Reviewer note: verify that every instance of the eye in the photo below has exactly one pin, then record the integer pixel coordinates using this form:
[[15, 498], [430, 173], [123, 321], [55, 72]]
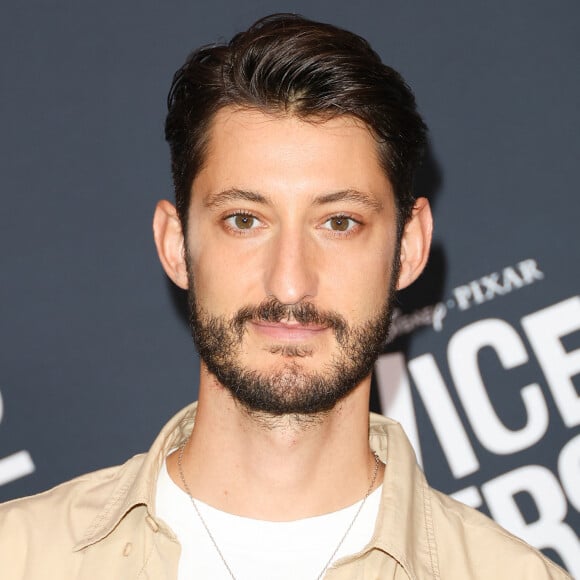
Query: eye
[[340, 223], [242, 221]]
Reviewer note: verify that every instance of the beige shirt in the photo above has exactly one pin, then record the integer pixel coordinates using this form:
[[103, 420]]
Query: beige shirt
[[103, 526]]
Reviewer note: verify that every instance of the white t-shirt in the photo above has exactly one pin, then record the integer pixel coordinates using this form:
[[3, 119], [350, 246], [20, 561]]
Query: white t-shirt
[[257, 549]]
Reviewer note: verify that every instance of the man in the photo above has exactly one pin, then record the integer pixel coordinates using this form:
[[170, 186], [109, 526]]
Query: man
[[293, 151]]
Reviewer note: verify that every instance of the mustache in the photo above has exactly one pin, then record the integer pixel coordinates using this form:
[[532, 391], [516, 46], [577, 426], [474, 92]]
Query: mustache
[[272, 310]]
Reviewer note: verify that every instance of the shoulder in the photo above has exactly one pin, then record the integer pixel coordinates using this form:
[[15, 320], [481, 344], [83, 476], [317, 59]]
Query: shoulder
[[467, 539], [62, 515], [460, 541]]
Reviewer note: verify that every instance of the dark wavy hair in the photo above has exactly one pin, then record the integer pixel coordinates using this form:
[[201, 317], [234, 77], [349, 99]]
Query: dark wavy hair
[[285, 63]]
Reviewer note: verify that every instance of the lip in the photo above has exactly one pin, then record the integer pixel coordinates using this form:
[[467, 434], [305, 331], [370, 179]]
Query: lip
[[288, 331]]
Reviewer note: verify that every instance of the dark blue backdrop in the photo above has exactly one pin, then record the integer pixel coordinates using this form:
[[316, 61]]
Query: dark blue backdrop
[[484, 370]]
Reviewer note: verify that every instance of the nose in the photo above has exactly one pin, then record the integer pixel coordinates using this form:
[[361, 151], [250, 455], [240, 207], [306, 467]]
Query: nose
[[291, 274]]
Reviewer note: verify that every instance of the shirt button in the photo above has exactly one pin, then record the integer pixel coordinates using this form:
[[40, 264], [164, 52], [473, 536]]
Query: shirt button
[[152, 523], [127, 549]]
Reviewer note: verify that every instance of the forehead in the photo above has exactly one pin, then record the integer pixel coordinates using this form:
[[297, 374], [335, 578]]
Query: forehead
[[280, 152]]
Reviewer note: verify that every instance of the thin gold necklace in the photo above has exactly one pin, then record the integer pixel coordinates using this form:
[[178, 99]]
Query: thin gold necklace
[[213, 540]]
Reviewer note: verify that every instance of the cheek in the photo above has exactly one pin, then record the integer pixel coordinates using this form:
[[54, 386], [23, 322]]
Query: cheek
[[213, 284], [224, 280], [358, 284]]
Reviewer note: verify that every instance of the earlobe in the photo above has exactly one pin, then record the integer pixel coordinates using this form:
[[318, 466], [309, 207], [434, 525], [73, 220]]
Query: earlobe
[[415, 243], [169, 241]]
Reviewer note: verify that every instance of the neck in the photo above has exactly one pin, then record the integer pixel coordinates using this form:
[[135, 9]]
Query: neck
[[277, 468]]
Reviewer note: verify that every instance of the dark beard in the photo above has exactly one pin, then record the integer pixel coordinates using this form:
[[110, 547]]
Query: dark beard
[[290, 390]]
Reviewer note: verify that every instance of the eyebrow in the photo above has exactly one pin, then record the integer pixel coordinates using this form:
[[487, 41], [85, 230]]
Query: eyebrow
[[220, 198], [352, 195]]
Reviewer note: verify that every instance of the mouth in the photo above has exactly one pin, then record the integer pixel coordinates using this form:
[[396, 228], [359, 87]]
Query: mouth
[[288, 331]]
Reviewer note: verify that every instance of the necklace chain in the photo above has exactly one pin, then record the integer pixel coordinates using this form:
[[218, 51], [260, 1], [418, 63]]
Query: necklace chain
[[213, 540]]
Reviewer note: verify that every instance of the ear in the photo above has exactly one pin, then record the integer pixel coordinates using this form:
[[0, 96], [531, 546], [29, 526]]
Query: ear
[[415, 243], [170, 242]]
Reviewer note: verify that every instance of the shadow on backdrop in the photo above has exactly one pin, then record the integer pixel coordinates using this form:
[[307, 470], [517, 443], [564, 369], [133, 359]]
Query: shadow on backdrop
[[428, 289]]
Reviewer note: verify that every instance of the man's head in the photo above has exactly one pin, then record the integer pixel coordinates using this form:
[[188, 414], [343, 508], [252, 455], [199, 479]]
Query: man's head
[[287, 64], [293, 151]]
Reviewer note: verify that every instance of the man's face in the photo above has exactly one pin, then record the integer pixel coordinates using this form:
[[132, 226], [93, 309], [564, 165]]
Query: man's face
[[291, 243]]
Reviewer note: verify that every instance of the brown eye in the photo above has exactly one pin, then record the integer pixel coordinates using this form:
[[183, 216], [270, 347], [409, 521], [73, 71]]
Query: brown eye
[[244, 222], [339, 224]]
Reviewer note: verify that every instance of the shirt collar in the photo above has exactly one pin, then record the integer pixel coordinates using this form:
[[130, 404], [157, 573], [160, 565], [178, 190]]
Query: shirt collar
[[403, 529], [137, 479]]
